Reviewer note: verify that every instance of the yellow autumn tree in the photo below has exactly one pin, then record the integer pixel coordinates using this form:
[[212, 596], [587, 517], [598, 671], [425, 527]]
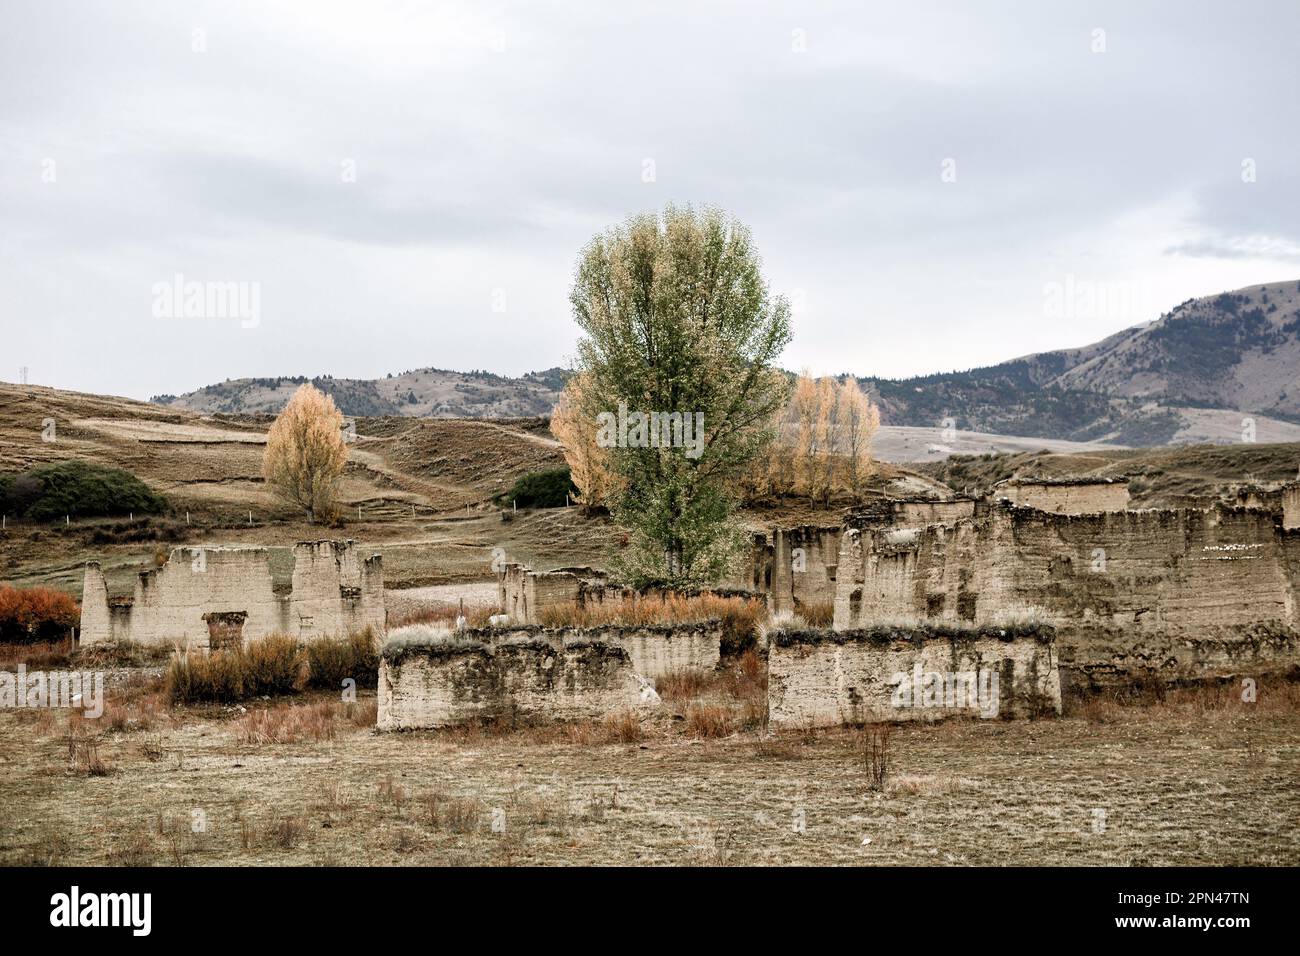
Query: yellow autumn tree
[[856, 423], [574, 425], [825, 445], [305, 453], [813, 408]]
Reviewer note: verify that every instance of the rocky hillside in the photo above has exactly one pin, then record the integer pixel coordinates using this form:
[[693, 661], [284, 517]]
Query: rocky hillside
[[1190, 375], [425, 392]]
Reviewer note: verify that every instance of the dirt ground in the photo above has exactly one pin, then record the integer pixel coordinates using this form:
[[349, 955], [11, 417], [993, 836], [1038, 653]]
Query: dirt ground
[[1198, 779]]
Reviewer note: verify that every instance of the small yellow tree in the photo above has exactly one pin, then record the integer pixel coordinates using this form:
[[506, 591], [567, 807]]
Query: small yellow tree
[[813, 409], [575, 426], [305, 452], [826, 441], [857, 421]]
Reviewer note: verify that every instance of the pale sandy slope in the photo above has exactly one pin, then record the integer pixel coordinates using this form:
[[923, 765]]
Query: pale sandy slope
[[900, 443]]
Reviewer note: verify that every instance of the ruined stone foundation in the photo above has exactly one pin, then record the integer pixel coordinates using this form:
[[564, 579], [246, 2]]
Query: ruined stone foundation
[[823, 678]]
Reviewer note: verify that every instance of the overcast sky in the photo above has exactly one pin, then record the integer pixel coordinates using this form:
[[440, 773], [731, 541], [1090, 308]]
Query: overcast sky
[[935, 186]]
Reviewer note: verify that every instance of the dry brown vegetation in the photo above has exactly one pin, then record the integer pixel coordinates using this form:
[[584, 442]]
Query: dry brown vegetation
[[740, 617], [823, 450], [819, 614], [443, 613], [270, 666], [675, 790]]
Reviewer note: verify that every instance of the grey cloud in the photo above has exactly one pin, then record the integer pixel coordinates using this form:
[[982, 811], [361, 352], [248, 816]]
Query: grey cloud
[[480, 167]]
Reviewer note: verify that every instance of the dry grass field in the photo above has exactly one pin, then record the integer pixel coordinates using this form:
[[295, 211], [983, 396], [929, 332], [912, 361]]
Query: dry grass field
[[1195, 778]]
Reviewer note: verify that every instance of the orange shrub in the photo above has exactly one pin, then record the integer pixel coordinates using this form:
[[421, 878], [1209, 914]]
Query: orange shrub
[[34, 615]]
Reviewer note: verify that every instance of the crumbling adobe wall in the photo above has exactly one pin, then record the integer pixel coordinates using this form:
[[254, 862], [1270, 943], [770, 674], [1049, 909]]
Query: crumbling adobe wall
[[96, 617], [225, 594], [794, 567], [916, 512], [450, 680], [654, 649], [334, 592], [661, 649], [1177, 593], [911, 512], [526, 594], [752, 571], [820, 678], [170, 602], [1257, 497], [804, 563], [1291, 506], [1066, 497]]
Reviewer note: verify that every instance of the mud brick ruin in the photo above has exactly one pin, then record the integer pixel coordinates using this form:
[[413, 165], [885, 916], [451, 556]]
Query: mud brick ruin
[[212, 597], [1068, 496], [1047, 581], [820, 678], [1172, 593], [429, 681], [526, 595]]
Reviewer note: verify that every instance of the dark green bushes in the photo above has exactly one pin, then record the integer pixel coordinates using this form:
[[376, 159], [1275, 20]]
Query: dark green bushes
[[541, 489], [76, 488]]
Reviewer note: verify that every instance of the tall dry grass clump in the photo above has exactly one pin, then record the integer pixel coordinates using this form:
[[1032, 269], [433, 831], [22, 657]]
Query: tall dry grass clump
[[193, 678], [623, 727], [817, 614], [708, 721], [333, 660], [41, 655], [443, 613], [273, 666], [287, 724]]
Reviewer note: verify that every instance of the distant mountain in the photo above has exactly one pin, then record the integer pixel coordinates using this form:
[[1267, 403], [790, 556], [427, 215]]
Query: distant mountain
[[426, 392], [1193, 374]]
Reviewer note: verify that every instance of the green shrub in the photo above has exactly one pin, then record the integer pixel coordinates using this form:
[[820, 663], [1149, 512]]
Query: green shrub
[[79, 489], [541, 489]]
